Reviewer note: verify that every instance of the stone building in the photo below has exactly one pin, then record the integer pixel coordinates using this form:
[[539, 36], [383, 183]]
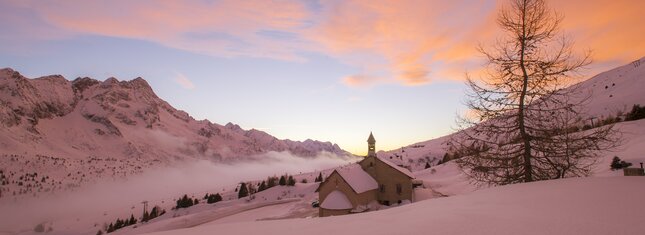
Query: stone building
[[363, 186]]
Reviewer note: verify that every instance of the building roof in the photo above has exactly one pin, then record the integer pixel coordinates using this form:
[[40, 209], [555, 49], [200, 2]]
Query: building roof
[[336, 200], [371, 138], [357, 178], [398, 168]]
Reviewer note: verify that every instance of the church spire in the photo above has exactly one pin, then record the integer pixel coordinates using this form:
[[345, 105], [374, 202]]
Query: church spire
[[371, 146]]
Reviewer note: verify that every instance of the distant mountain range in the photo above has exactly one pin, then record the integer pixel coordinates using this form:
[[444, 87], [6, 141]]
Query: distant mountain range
[[53, 116]]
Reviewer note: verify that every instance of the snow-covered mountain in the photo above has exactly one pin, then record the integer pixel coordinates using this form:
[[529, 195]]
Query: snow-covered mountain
[[66, 133], [119, 119]]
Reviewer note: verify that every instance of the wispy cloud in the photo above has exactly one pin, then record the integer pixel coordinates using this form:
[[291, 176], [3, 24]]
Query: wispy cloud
[[404, 42], [183, 81]]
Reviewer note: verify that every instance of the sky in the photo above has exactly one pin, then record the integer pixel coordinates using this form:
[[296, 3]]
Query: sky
[[324, 70]]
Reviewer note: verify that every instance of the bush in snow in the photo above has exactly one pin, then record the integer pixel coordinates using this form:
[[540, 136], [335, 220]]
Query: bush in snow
[[617, 164], [213, 198], [39, 228], [185, 202], [637, 112]]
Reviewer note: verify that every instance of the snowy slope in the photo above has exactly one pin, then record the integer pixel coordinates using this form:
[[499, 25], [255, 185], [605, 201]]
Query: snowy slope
[[571, 206], [610, 93]]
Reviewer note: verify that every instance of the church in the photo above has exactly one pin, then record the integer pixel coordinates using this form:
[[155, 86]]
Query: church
[[365, 186]]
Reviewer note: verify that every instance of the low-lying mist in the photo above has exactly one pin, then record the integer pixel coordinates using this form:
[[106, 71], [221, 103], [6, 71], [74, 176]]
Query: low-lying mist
[[117, 197]]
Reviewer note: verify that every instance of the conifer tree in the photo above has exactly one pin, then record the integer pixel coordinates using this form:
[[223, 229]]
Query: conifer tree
[[262, 186], [319, 178], [272, 181], [132, 220], [243, 192], [291, 181], [283, 181]]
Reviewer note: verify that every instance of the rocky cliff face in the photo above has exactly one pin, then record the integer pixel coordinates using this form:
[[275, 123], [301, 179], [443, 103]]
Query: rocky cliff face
[[122, 119]]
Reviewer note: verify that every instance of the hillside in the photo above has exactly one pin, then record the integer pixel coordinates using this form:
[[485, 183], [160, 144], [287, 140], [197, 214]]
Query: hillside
[[569, 206], [608, 94]]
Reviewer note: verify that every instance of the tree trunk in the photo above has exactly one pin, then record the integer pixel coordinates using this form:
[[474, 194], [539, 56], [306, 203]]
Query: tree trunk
[[528, 169]]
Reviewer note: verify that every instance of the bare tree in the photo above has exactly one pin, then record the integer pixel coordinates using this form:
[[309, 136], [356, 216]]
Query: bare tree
[[521, 127]]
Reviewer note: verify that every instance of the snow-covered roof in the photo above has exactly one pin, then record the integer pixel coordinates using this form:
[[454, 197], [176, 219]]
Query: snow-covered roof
[[401, 169], [336, 200], [357, 178]]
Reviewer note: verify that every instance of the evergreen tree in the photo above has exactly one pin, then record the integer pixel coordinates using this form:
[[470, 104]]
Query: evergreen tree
[[427, 165], [196, 201], [291, 181], [637, 112], [319, 178], [262, 186], [283, 181], [154, 213], [272, 181], [132, 220], [243, 192], [213, 198], [146, 216]]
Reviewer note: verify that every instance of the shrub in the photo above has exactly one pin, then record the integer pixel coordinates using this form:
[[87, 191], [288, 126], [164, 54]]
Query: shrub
[[291, 181], [185, 202], [637, 112], [39, 228], [617, 164], [213, 198]]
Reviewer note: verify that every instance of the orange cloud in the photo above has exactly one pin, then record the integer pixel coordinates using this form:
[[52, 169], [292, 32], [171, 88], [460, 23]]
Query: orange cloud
[[409, 42], [409, 35], [360, 80]]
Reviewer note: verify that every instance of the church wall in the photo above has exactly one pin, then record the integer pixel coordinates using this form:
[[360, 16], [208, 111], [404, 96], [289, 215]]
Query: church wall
[[326, 212], [356, 199], [389, 177]]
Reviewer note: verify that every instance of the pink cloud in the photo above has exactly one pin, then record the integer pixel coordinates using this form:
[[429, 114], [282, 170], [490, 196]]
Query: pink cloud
[[219, 28], [410, 42], [184, 82]]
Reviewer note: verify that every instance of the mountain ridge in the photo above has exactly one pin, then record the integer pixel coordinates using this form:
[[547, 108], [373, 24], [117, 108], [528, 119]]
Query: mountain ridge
[[115, 110]]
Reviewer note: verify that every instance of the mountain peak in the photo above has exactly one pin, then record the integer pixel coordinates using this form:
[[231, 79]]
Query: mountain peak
[[110, 81]]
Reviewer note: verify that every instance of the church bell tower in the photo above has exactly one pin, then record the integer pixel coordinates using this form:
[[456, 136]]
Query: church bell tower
[[371, 146]]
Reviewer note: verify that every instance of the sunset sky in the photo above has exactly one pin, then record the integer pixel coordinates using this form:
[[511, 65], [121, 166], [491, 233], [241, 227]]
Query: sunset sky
[[325, 70]]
